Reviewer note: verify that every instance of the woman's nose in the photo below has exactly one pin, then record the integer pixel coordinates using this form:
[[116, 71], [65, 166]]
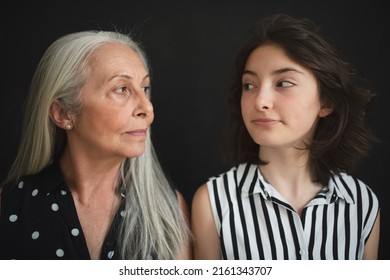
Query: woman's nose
[[145, 107]]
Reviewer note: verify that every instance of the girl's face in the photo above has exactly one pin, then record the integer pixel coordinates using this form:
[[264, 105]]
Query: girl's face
[[280, 100], [116, 111]]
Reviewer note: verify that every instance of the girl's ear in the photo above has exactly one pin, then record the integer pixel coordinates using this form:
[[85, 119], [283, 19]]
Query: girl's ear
[[325, 111], [60, 116]]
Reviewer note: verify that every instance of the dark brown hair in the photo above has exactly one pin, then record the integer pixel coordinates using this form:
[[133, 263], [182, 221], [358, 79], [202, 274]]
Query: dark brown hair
[[340, 139]]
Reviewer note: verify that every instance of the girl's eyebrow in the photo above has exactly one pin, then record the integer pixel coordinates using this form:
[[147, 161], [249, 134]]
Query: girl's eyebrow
[[276, 72], [287, 69], [249, 72]]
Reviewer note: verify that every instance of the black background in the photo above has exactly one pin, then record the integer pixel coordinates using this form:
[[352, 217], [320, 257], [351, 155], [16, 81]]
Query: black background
[[191, 46]]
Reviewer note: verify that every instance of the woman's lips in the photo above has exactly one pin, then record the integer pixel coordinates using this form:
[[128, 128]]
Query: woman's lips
[[137, 132]]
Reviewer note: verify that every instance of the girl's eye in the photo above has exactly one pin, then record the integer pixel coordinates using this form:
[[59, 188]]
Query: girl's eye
[[248, 86], [284, 84]]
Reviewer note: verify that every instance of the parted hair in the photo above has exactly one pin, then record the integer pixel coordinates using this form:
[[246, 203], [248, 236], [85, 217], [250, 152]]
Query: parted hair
[[153, 226], [342, 138]]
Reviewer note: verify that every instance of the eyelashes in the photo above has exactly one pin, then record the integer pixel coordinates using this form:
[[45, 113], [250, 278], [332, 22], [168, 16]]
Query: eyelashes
[[284, 84], [147, 90], [280, 84], [122, 90], [247, 86]]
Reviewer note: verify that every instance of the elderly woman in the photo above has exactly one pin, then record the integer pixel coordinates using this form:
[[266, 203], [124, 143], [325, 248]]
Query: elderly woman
[[86, 183]]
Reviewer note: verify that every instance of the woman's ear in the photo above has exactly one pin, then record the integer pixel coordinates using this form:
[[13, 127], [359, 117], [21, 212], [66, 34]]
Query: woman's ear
[[60, 116]]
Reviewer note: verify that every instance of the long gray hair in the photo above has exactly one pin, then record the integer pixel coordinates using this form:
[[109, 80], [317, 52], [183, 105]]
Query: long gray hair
[[153, 225]]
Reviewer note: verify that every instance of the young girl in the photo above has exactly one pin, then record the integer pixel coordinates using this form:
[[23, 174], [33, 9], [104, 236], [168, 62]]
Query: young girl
[[298, 127]]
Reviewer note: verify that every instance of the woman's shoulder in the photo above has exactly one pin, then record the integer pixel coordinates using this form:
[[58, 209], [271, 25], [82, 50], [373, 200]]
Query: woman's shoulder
[[41, 182], [11, 193], [14, 191]]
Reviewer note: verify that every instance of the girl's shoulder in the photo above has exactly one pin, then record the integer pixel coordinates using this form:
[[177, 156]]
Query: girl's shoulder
[[353, 188]]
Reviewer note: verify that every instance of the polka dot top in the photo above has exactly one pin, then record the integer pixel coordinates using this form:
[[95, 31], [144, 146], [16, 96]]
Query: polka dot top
[[38, 220]]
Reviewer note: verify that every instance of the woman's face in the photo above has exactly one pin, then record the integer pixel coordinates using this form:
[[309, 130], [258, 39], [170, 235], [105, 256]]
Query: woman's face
[[280, 100], [116, 111]]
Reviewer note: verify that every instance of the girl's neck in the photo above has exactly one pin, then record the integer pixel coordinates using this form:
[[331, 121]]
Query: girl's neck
[[288, 172]]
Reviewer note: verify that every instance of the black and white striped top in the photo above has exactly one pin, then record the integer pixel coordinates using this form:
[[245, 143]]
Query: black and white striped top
[[255, 222]]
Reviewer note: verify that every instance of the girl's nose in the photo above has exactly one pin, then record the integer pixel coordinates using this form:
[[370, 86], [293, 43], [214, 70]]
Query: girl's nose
[[264, 100]]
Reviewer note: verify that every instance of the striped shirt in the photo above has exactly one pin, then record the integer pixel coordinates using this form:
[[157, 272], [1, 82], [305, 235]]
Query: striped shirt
[[255, 222]]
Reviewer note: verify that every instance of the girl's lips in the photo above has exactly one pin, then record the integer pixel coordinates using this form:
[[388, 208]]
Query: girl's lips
[[265, 121]]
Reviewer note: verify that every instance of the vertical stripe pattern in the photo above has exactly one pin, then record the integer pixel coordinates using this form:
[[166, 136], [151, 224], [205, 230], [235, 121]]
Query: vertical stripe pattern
[[255, 221]]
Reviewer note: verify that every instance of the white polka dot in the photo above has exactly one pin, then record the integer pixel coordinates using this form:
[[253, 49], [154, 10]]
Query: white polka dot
[[35, 235], [20, 185], [55, 207], [123, 213], [60, 253], [63, 192], [75, 232], [48, 194], [13, 218], [110, 254], [35, 192]]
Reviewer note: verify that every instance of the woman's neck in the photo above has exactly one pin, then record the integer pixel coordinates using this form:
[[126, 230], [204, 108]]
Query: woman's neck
[[86, 177]]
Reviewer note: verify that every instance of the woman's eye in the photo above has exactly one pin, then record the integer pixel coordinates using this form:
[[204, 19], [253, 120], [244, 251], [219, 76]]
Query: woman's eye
[[147, 90], [248, 86], [285, 84], [121, 90]]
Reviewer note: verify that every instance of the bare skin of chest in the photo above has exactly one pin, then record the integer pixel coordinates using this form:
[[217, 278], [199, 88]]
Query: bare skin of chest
[[95, 219]]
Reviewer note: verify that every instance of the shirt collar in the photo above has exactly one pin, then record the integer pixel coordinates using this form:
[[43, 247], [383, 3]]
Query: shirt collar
[[341, 189], [250, 181], [51, 178]]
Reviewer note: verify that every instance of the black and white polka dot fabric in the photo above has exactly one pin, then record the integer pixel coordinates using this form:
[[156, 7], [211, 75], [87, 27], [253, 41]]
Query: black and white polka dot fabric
[[39, 221]]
